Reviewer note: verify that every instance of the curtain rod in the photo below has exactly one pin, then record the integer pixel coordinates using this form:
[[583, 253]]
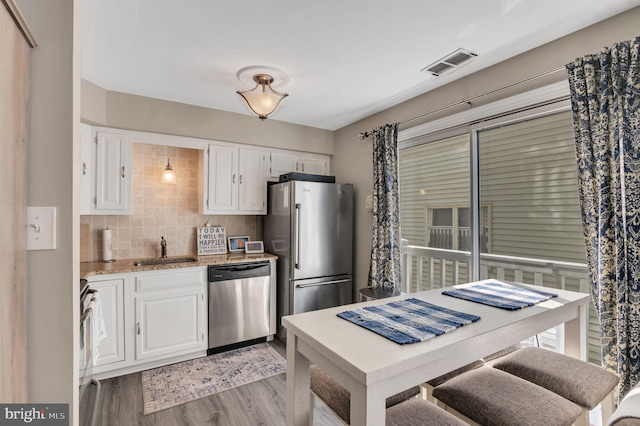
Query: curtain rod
[[362, 136]]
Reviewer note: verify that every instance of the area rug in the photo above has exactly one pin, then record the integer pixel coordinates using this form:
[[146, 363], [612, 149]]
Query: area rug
[[176, 384]]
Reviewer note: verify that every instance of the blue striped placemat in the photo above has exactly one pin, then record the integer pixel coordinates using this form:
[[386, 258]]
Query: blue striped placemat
[[500, 295], [408, 320]]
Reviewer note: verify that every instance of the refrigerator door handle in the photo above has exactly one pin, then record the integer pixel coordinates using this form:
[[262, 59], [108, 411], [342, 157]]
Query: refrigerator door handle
[[296, 239], [323, 283]]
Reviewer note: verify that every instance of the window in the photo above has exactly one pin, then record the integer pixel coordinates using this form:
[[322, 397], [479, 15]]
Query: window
[[519, 172], [450, 228]]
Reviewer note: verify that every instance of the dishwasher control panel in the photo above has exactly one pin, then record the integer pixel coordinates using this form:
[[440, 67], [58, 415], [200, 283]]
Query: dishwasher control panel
[[238, 271]]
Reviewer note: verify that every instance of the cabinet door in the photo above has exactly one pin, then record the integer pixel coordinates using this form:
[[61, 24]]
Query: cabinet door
[[86, 169], [283, 162], [111, 292], [113, 174], [316, 164], [222, 194], [252, 181], [169, 322]]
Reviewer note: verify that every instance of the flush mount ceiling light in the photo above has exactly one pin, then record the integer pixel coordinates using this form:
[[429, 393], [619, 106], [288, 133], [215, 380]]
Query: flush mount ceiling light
[[168, 175], [449, 62], [263, 100]]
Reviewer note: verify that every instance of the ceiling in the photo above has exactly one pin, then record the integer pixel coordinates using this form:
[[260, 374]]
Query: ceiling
[[345, 59]]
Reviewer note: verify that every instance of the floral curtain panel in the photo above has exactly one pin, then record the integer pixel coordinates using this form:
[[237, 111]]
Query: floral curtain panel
[[605, 98], [385, 250]]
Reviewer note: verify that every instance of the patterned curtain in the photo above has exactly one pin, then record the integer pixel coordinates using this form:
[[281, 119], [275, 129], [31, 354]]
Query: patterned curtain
[[605, 98], [386, 244]]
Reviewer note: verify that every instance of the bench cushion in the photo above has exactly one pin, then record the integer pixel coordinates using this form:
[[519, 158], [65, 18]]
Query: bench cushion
[[417, 411], [448, 376], [578, 381], [493, 397]]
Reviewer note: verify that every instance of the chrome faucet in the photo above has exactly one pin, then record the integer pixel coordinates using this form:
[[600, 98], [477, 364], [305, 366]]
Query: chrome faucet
[[163, 247]]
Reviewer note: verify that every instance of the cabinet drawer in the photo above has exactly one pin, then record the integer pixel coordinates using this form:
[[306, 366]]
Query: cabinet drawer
[[169, 280]]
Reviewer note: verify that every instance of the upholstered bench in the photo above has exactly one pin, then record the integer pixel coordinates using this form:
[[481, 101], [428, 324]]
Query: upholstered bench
[[418, 412], [628, 411], [402, 409], [495, 357], [431, 384], [488, 396], [578, 381]]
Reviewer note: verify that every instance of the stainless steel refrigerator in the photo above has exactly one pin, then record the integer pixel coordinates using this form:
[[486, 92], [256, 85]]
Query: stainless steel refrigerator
[[309, 226]]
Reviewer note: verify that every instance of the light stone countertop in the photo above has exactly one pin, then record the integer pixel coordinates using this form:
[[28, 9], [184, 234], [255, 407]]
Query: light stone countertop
[[88, 269]]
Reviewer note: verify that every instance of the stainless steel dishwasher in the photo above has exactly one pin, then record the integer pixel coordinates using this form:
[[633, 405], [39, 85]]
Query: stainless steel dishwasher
[[239, 303]]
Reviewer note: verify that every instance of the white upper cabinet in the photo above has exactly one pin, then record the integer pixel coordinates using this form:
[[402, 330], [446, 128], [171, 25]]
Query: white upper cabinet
[[112, 174], [234, 180], [252, 182], [292, 161], [86, 170], [317, 164], [223, 177]]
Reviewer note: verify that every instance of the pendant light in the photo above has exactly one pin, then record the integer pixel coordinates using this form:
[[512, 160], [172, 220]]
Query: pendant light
[[262, 99], [168, 175]]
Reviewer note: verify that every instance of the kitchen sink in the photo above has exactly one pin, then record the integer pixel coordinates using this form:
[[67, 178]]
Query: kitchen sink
[[164, 261]]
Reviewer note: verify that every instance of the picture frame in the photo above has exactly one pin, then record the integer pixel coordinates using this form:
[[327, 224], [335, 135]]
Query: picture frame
[[253, 247], [237, 244], [212, 240]]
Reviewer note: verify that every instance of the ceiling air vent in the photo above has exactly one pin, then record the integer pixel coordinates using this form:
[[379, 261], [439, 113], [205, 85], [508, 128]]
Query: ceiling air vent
[[449, 62]]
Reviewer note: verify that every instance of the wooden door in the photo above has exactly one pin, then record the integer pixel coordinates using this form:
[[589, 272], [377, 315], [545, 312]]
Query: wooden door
[[15, 44]]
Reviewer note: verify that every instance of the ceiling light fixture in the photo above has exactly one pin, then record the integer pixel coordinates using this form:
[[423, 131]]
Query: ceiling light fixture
[[168, 175], [263, 100]]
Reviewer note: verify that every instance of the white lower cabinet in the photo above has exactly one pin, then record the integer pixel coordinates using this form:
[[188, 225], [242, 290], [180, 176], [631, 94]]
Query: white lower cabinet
[[170, 313], [152, 318], [111, 291]]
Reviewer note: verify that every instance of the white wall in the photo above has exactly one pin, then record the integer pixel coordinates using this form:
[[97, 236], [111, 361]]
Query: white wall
[[53, 274], [352, 158]]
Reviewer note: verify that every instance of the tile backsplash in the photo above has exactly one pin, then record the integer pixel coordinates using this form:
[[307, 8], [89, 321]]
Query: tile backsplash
[[164, 210]]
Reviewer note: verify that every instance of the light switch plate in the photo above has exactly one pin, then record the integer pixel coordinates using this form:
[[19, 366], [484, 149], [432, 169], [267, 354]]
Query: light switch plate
[[41, 228]]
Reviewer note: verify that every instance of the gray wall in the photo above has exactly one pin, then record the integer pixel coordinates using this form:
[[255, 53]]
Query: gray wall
[[53, 274], [352, 157], [132, 112]]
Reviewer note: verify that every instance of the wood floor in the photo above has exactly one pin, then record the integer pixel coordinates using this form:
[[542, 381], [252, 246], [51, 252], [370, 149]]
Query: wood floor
[[259, 403]]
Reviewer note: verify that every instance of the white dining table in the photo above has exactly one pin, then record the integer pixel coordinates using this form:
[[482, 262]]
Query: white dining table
[[373, 368]]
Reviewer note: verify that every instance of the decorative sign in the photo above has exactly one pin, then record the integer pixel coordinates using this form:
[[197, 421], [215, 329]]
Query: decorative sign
[[212, 240]]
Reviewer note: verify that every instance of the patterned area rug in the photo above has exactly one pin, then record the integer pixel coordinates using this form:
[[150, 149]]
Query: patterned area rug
[[176, 384]]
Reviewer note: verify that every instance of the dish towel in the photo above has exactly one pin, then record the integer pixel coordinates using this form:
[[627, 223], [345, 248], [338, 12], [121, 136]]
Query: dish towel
[[98, 328], [408, 321], [500, 295]]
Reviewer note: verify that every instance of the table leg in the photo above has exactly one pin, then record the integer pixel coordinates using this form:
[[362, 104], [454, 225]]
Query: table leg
[[368, 407], [575, 334], [298, 390]]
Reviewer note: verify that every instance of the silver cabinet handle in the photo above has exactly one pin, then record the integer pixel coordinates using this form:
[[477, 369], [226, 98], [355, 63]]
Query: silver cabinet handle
[[138, 327], [122, 171], [234, 178], [303, 167], [84, 169], [240, 179], [296, 166]]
